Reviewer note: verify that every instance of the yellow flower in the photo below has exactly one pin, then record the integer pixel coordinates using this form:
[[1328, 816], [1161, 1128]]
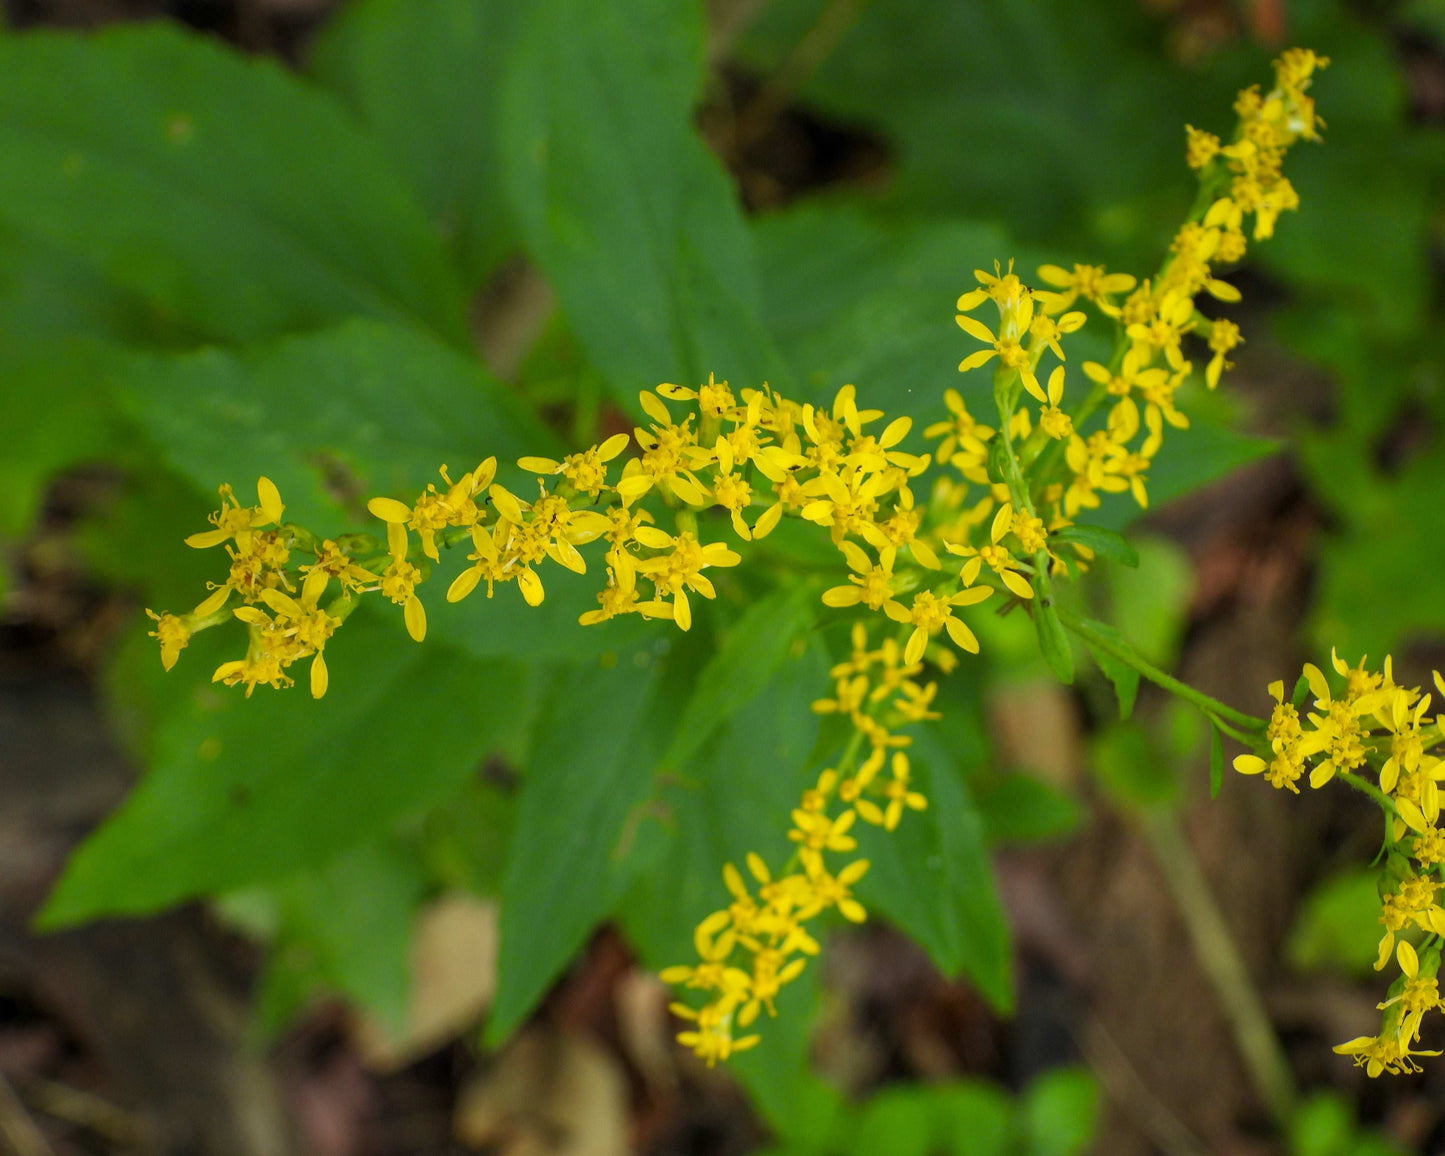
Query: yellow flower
[[1202, 147], [998, 557], [870, 584], [1090, 282], [712, 1039], [1387, 1053], [714, 940], [680, 569], [398, 582], [233, 520], [587, 471], [173, 635], [669, 454], [930, 613]]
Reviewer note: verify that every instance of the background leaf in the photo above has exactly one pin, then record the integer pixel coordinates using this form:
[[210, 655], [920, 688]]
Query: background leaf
[[424, 76], [244, 791], [632, 220], [225, 193], [592, 767]]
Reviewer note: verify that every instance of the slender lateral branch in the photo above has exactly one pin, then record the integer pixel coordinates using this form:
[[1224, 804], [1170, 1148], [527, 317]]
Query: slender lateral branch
[[1219, 712]]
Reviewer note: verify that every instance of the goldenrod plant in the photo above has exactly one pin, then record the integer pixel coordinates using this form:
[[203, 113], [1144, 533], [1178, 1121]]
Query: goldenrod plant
[[992, 513]]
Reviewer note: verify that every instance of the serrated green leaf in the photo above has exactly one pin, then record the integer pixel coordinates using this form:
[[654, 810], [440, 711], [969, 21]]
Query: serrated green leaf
[[424, 76], [225, 193], [592, 766], [1109, 543], [1124, 677], [632, 220], [1216, 762], [250, 790], [749, 653]]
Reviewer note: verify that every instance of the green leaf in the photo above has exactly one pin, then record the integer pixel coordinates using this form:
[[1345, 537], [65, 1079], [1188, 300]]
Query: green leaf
[[380, 405], [896, 1121], [1109, 543], [932, 879], [1372, 596], [632, 220], [592, 767], [54, 415], [345, 927], [732, 796], [853, 297], [245, 791], [1151, 602], [424, 76], [800, 1108], [1075, 108], [218, 188], [1060, 1113], [1216, 762], [974, 1117], [1124, 677], [751, 650], [1130, 769], [1019, 808], [1338, 925], [1053, 640]]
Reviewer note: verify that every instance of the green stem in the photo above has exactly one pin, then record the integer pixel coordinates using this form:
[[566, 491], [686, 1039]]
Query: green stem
[[1367, 788], [1219, 956], [1216, 710]]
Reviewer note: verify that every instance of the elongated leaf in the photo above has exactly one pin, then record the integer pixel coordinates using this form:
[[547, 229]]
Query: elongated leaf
[[634, 223], [732, 796], [385, 405], [221, 190], [244, 791], [751, 651], [424, 76], [592, 767], [1053, 641], [932, 879], [852, 297], [345, 927], [1124, 677], [1109, 543]]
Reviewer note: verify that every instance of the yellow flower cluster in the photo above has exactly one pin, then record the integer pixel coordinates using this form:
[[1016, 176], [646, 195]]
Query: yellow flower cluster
[[260, 575], [764, 925], [1373, 724], [743, 461], [1152, 318], [757, 459]]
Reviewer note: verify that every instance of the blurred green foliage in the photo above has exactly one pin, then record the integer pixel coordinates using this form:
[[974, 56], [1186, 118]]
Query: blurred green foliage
[[211, 268]]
